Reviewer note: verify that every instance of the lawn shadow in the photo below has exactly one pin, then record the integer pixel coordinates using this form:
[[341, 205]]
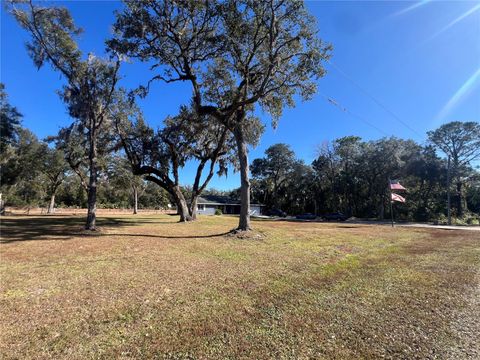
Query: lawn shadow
[[41, 228], [339, 226], [34, 228], [171, 236]]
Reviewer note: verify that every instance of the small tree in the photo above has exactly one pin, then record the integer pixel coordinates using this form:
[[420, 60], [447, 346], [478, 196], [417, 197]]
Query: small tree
[[460, 141], [120, 175], [235, 55], [54, 171], [90, 83]]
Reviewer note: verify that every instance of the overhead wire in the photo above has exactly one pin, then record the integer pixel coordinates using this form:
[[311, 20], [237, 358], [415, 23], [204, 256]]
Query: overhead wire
[[373, 98], [348, 112], [335, 103]]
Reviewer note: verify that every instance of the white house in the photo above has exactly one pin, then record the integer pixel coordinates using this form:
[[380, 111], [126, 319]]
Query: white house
[[207, 205]]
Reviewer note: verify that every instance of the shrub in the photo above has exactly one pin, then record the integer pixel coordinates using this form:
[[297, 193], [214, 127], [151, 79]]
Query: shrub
[[472, 221], [441, 220], [218, 212], [467, 219]]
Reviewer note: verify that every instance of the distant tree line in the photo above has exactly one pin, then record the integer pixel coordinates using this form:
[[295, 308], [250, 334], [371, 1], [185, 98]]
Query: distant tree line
[[237, 56], [347, 175], [351, 176], [34, 174]]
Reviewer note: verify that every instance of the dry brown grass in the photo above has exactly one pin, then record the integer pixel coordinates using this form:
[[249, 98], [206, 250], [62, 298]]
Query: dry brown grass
[[148, 287]]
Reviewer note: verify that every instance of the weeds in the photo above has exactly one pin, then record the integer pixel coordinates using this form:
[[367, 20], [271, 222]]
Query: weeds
[[148, 287]]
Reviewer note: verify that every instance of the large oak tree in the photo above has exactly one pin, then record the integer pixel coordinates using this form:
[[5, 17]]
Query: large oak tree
[[236, 54]]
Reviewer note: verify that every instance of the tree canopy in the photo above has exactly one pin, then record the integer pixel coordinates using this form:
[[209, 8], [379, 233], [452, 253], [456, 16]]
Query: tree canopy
[[235, 55], [239, 57], [90, 82], [10, 120], [460, 141]]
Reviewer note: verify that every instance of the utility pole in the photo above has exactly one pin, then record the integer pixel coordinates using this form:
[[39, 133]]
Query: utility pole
[[449, 215]]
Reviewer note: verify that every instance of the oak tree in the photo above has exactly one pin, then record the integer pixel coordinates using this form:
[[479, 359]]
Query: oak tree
[[236, 54], [159, 155]]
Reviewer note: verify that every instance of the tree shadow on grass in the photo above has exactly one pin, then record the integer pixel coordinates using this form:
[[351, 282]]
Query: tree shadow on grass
[[171, 236], [38, 228], [47, 228]]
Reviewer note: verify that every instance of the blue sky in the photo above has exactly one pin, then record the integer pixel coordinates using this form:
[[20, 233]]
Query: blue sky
[[401, 67]]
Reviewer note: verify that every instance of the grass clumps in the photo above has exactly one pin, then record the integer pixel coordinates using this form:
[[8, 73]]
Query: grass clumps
[[149, 287]]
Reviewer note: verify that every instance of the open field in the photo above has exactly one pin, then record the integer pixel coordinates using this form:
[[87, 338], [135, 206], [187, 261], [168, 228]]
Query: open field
[[82, 211], [148, 287]]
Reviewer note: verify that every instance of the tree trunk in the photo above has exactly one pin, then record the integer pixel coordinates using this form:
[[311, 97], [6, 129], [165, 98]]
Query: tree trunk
[[193, 207], [244, 222], [459, 199], [182, 207], [135, 200], [51, 206], [275, 195], [382, 209], [92, 186]]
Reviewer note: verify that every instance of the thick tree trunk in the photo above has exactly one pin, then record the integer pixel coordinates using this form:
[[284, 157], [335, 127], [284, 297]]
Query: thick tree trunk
[[176, 192], [193, 207], [92, 186], [244, 222], [91, 206], [182, 207], [51, 206], [135, 200]]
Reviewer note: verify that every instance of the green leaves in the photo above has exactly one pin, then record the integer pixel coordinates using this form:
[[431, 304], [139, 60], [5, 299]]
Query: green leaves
[[459, 140], [53, 36], [10, 119], [235, 53]]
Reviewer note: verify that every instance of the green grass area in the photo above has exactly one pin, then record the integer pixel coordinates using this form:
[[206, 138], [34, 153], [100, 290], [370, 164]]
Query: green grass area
[[148, 287]]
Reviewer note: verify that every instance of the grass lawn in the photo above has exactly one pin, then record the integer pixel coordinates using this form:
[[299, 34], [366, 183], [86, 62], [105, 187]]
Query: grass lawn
[[148, 287]]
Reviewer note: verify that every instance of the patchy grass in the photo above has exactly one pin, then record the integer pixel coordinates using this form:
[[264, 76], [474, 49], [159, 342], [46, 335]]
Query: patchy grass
[[148, 287]]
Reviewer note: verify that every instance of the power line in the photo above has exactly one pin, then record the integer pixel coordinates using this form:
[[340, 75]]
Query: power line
[[335, 103], [373, 98], [345, 110]]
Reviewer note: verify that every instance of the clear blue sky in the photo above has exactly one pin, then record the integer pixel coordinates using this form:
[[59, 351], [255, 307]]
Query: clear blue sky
[[420, 60]]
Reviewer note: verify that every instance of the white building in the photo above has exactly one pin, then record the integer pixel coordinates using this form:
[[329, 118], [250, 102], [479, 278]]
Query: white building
[[207, 205]]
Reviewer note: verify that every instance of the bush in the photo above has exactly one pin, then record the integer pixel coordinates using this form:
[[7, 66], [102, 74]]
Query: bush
[[218, 212], [441, 220], [473, 221], [468, 219]]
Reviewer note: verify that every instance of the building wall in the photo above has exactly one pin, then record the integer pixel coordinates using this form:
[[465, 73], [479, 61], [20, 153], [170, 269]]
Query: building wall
[[205, 209], [255, 210]]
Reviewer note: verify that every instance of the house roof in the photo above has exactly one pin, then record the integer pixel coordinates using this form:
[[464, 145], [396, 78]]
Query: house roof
[[219, 200]]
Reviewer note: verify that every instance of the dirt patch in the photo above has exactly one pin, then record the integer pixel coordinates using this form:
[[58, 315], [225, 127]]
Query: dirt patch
[[246, 235]]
